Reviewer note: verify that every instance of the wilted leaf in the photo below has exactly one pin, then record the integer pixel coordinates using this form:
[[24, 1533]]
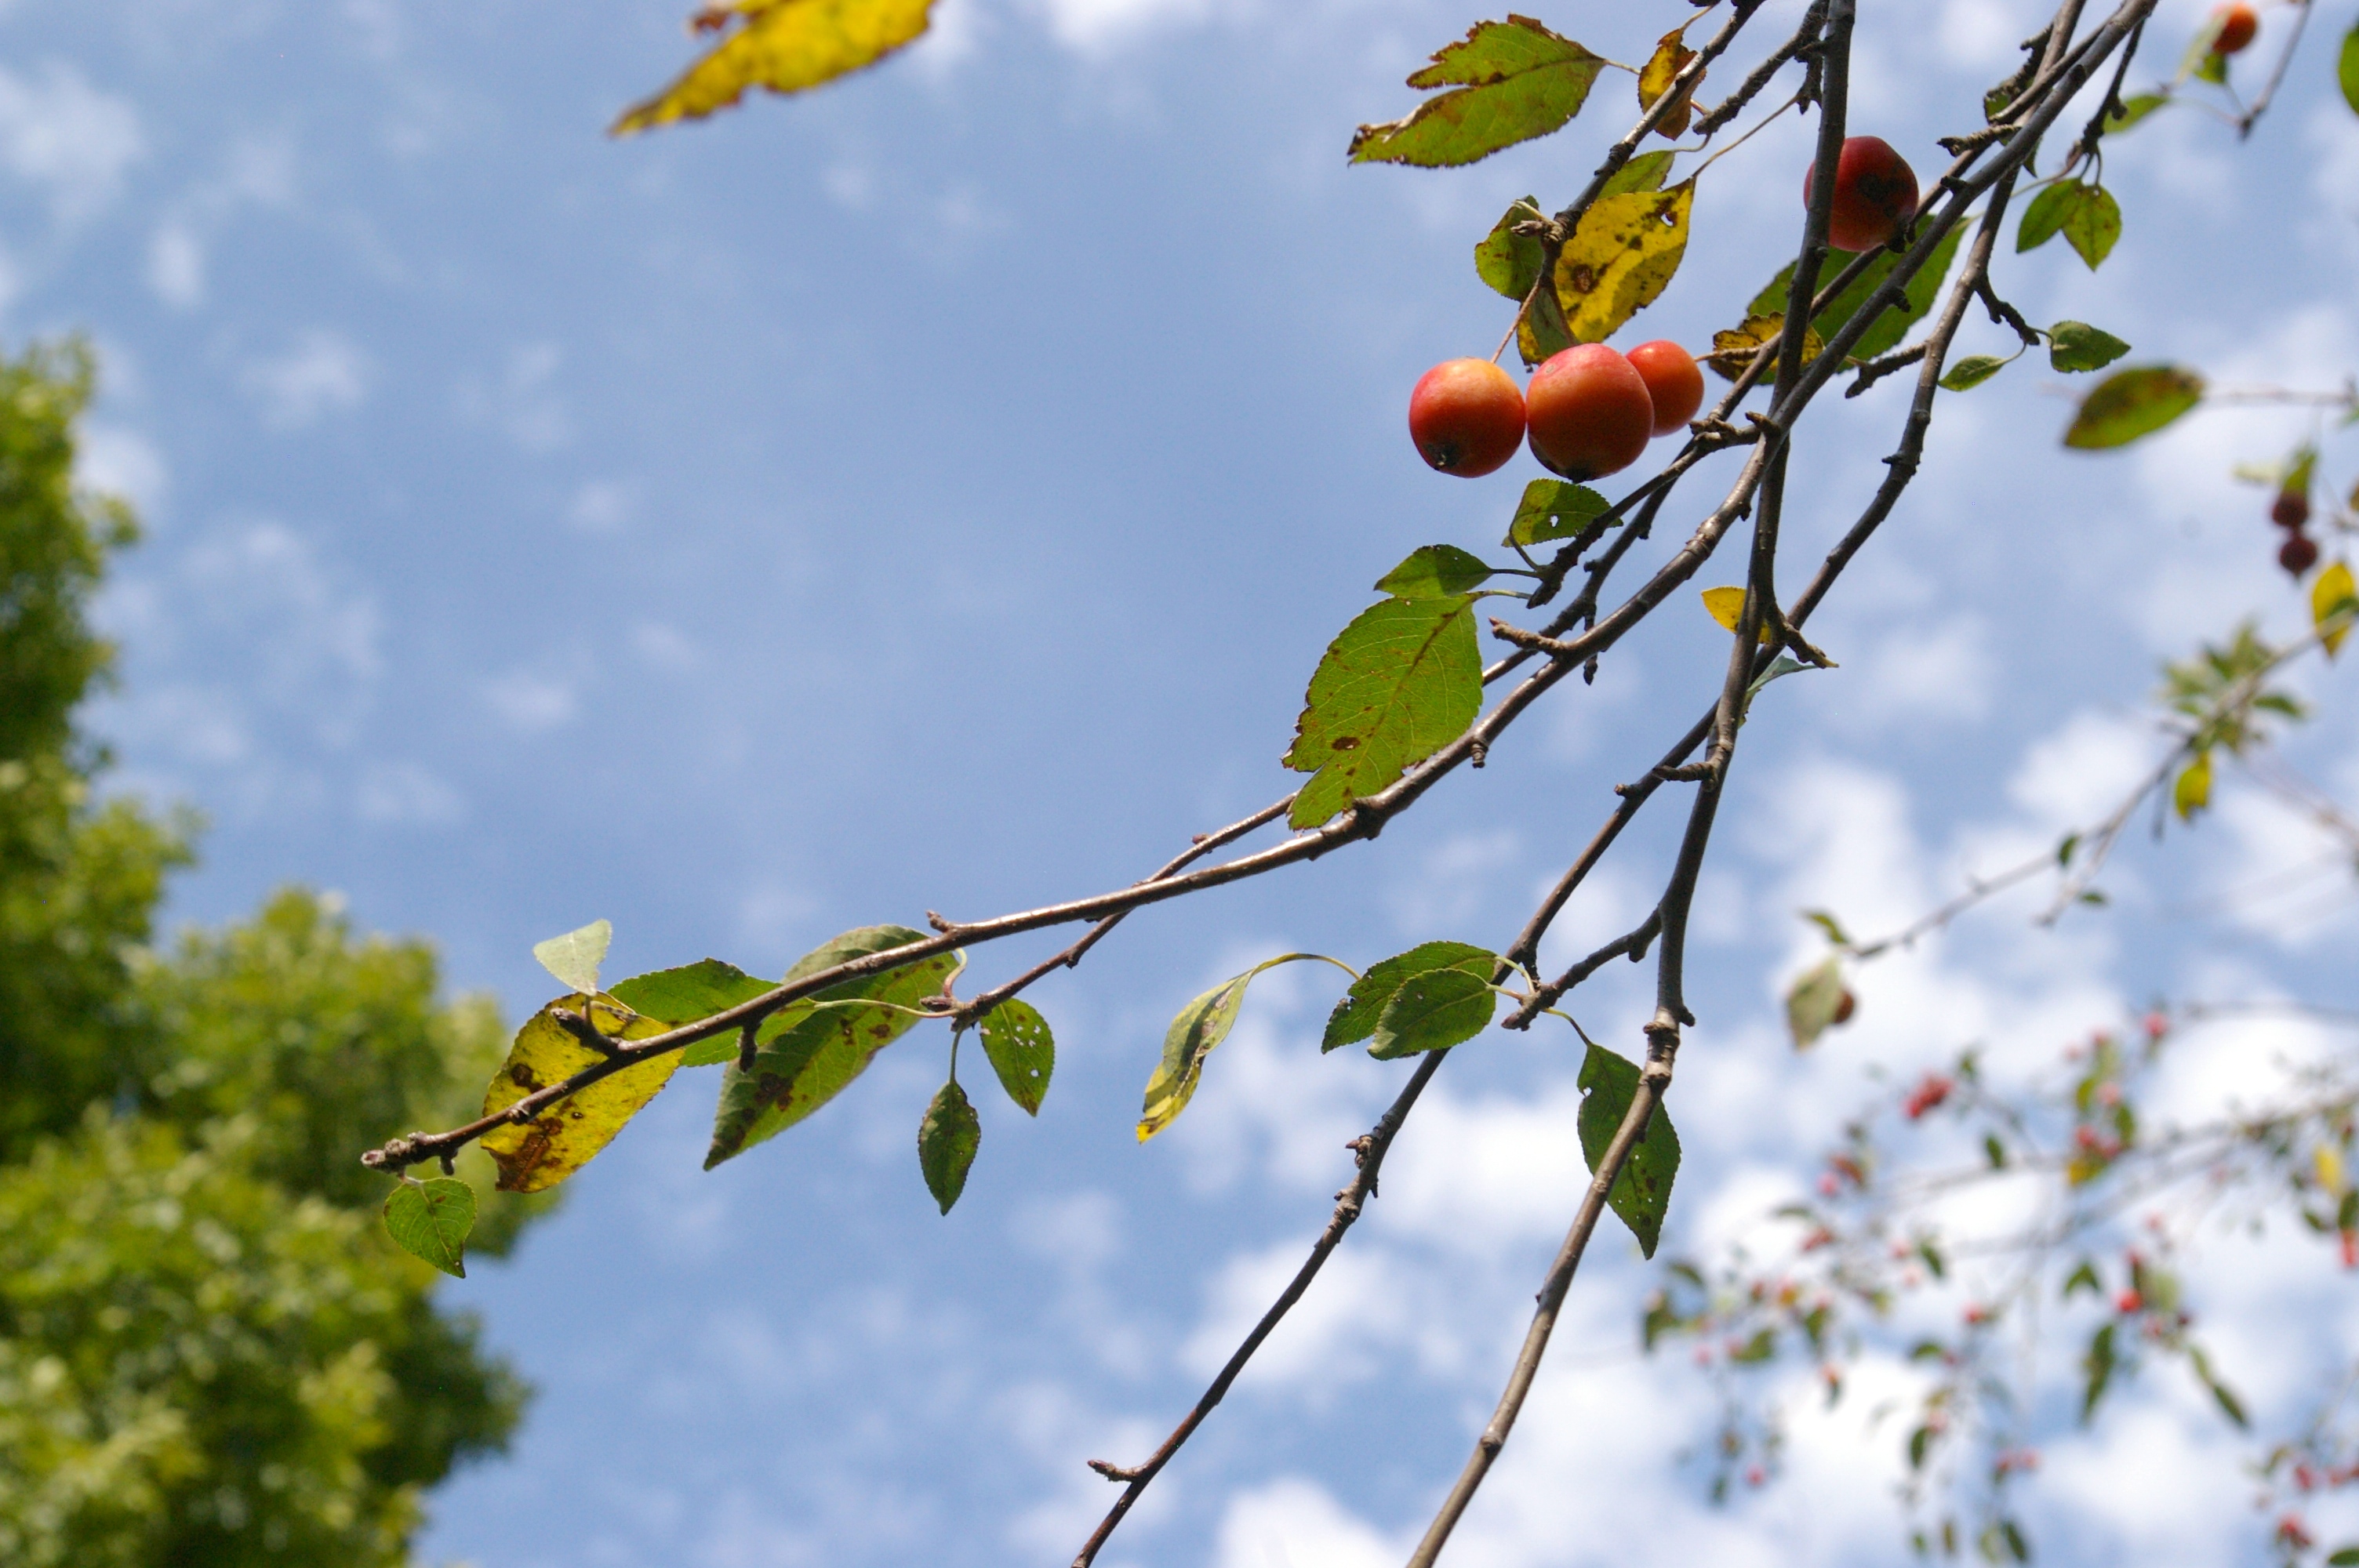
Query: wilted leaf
[[1355, 1017], [809, 1049], [2077, 346], [565, 1136], [675, 997], [1510, 263], [1967, 373], [2133, 403], [1670, 58], [1511, 81], [1646, 171], [1641, 1195], [1403, 680], [1200, 1026], [1733, 351], [1811, 1005], [948, 1137], [574, 958], [1022, 1051], [430, 1220], [1433, 1011], [2132, 111], [1726, 606], [1553, 509], [1621, 258], [2192, 793], [2333, 601], [1434, 571], [1894, 324], [785, 46]]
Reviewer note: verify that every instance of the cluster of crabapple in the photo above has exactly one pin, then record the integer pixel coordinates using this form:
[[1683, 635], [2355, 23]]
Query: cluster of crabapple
[[2290, 512], [1591, 410]]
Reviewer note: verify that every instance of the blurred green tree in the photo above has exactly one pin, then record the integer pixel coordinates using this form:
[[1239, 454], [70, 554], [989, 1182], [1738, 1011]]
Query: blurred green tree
[[211, 1356]]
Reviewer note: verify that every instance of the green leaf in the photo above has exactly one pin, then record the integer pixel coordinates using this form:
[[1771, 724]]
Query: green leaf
[[1967, 373], [1433, 1011], [574, 958], [2083, 1278], [2345, 1557], [431, 1219], [948, 1137], [1511, 81], [1641, 1193], [1355, 1017], [1811, 1005], [568, 1134], [2098, 1366], [1894, 324], [1645, 172], [2346, 72], [1541, 332], [2086, 216], [1553, 509], [2133, 403], [1920, 1441], [2333, 598], [810, 1049], [1434, 571], [695, 990], [2077, 346], [1022, 1051], [784, 44], [1201, 1025], [1510, 263], [1621, 258], [2222, 1395], [1827, 923], [1402, 681], [2132, 111], [1757, 1349]]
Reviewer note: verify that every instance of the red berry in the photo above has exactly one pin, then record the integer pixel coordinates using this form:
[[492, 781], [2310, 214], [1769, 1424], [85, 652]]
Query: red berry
[[1673, 380], [2129, 1302], [2290, 510], [1845, 1005], [1875, 194], [2237, 25], [1466, 416], [2298, 557], [1590, 412]]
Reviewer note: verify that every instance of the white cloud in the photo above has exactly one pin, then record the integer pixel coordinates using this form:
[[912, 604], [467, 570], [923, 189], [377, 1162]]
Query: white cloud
[[59, 132], [175, 266], [408, 793], [1294, 1523], [114, 460], [532, 700], [1098, 25], [523, 403], [322, 374]]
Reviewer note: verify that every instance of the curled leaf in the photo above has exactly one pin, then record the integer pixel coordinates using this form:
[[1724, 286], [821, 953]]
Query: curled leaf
[[574, 958], [1201, 1025], [1671, 57], [1726, 605]]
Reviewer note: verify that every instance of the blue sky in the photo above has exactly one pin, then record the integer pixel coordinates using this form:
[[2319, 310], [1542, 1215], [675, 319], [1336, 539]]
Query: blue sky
[[933, 494]]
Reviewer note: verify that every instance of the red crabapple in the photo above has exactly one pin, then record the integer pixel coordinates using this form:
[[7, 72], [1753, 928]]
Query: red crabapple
[[1673, 380], [1589, 411], [1875, 194], [1466, 416], [2237, 26]]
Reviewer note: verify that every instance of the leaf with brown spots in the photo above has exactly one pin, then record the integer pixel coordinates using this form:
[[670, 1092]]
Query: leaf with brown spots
[[785, 46], [566, 1136], [1621, 258], [810, 1049], [1671, 57]]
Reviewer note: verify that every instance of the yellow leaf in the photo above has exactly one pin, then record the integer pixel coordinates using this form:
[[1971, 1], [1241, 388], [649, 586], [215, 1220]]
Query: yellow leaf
[[2193, 791], [565, 1136], [1732, 350], [1727, 604], [2333, 601], [1671, 57], [1621, 257], [2328, 1161], [783, 45]]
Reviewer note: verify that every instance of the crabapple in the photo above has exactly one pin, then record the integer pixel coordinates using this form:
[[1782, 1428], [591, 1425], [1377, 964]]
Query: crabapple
[[2297, 555], [1875, 194], [1466, 416], [2237, 26], [1673, 380], [2290, 510], [1589, 411]]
